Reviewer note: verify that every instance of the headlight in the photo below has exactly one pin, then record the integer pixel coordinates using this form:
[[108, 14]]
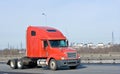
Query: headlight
[[62, 58]]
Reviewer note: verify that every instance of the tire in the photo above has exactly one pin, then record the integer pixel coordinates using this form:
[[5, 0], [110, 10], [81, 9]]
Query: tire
[[13, 64], [53, 64], [20, 64], [72, 67]]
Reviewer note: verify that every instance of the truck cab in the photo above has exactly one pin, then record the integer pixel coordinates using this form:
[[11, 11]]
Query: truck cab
[[47, 46]]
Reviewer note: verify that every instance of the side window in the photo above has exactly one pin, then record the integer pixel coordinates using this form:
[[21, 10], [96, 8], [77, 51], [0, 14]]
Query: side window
[[33, 33], [45, 44]]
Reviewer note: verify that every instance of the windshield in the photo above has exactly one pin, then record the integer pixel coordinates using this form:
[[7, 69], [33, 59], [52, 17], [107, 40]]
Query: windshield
[[58, 43]]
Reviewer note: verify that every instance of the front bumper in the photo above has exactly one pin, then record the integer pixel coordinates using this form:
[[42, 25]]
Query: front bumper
[[70, 62]]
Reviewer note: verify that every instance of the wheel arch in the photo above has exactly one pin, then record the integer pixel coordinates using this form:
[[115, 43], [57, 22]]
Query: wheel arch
[[8, 62], [48, 60], [55, 56]]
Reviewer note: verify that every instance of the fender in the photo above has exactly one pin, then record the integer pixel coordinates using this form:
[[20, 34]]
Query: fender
[[55, 56]]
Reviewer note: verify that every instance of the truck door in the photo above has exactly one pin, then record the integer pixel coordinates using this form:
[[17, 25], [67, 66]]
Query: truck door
[[45, 48]]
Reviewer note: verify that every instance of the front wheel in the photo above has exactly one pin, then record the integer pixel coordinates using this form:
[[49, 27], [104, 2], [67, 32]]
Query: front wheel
[[53, 64]]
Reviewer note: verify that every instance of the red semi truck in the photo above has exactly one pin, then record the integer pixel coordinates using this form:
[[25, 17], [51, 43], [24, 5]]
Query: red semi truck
[[46, 46]]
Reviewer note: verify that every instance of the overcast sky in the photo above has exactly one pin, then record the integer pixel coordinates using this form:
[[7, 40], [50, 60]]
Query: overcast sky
[[81, 21]]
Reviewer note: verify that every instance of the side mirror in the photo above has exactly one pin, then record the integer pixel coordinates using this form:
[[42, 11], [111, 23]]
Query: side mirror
[[67, 42]]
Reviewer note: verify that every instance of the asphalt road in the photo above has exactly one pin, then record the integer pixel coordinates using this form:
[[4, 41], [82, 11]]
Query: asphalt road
[[82, 69]]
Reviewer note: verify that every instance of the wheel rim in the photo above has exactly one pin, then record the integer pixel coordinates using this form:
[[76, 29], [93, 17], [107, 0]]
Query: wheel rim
[[11, 64], [19, 64], [52, 65]]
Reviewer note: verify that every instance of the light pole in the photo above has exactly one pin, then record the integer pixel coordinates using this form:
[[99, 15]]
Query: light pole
[[112, 38], [21, 46], [45, 18]]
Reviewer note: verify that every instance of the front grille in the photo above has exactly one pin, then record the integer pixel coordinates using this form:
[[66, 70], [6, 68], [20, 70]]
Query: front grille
[[71, 55]]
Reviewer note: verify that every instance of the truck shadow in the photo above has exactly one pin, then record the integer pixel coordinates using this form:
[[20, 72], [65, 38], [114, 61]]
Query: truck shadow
[[2, 72], [82, 66], [67, 68]]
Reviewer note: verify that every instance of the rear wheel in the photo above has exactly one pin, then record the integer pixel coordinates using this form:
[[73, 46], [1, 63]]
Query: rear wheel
[[20, 64], [13, 64], [53, 64]]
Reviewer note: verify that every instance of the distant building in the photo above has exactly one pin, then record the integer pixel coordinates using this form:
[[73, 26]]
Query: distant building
[[90, 45], [80, 44], [100, 45], [77, 45], [109, 45], [22, 51]]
